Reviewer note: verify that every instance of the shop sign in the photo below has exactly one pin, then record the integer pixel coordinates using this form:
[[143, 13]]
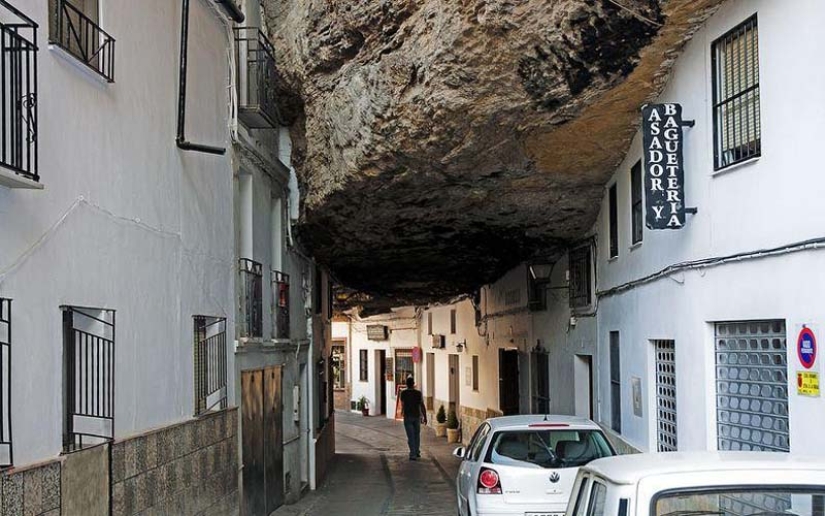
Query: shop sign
[[377, 332], [664, 186]]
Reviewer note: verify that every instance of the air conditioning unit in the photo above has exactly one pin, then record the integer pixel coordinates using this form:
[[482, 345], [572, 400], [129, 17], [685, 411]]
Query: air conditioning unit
[[439, 341]]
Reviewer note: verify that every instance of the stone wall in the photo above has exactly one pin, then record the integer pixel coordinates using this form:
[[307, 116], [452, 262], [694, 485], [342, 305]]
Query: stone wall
[[31, 491], [189, 468]]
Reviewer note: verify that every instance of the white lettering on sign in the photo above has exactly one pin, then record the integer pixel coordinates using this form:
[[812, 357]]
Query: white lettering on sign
[[664, 175]]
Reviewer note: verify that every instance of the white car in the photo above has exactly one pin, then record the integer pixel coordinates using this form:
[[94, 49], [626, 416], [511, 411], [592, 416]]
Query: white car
[[701, 484], [525, 465]]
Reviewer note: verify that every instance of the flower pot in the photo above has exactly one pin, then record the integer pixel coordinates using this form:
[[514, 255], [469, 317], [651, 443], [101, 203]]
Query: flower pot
[[365, 411], [453, 435], [440, 429]]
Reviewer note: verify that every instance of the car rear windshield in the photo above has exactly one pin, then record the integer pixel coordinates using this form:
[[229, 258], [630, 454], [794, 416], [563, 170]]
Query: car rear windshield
[[547, 448], [762, 501]]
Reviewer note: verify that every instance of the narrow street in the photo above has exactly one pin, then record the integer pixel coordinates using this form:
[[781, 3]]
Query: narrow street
[[373, 476]]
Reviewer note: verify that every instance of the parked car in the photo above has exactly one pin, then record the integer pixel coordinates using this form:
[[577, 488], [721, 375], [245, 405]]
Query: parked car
[[699, 484], [525, 465]]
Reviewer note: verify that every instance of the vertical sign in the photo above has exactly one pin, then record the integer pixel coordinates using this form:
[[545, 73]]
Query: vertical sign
[[664, 166]]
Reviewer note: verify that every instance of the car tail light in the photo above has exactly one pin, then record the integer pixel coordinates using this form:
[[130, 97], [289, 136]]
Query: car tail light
[[548, 425], [488, 482]]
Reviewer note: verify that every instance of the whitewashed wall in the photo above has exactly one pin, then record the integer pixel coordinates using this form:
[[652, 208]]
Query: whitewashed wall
[[771, 201], [126, 220]]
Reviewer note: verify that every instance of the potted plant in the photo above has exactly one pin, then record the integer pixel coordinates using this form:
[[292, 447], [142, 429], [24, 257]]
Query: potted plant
[[363, 405], [440, 425], [452, 428]]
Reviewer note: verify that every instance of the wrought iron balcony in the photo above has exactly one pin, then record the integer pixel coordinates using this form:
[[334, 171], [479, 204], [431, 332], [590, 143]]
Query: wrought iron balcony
[[251, 299], [257, 79], [18, 98], [280, 305], [76, 33]]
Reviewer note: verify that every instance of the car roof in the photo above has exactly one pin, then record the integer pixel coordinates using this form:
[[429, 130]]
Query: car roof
[[524, 421], [629, 469]]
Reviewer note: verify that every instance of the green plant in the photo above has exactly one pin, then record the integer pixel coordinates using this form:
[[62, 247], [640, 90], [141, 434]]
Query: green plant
[[363, 402], [452, 421], [441, 416]]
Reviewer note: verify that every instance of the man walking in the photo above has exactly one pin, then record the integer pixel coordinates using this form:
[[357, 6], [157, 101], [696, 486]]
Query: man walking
[[415, 413]]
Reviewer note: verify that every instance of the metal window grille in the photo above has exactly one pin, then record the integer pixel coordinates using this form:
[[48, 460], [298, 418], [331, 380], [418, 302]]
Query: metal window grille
[[615, 383], [581, 280], [637, 213], [666, 395], [752, 386], [6, 454], [257, 79], [210, 363], [736, 121], [280, 305], [251, 298], [613, 214], [77, 33], [363, 372], [18, 93], [89, 373]]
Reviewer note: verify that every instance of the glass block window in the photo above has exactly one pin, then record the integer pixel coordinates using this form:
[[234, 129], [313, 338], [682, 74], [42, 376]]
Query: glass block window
[[736, 126], [752, 386], [666, 395]]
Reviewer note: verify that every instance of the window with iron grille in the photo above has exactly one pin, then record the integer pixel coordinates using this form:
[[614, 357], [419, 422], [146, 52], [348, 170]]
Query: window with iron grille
[[210, 363], [73, 26], [475, 373], [251, 299], [280, 305], [581, 277], [89, 376], [666, 395], [257, 79], [737, 130], [752, 386], [453, 321], [613, 222], [429, 323], [636, 209], [18, 96], [363, 372], [615, 383], [6, 455]]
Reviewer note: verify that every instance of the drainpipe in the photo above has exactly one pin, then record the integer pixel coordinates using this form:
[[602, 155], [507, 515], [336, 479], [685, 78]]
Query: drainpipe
[[232, 10]]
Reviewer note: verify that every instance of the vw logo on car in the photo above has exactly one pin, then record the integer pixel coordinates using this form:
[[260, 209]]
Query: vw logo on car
[[554, 477]]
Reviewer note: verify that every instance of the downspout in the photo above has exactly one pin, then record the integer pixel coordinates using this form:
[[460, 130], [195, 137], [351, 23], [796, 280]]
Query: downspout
[[232, 10]]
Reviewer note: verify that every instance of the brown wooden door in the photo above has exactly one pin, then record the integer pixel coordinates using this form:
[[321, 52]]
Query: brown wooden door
[[252, 405], [273, 443]]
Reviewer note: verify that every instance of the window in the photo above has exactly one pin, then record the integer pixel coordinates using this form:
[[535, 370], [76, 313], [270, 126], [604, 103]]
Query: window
[[6, 457], [581, 280], [280, 305], [429, 323], [752, 385], [403, 365], [578, 508], [363, 372], [18, 98], [475, 373], [737, 131], [666, 394], [613, 228], [339, 367], [757, 499], [636, 208], [210, 363], [89, 376], [73, 26], [545, 448], [477, 445], [615, 383], [251, 298], [597, 497], [453, 317]]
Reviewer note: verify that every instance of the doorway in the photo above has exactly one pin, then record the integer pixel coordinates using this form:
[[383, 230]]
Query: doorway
[[454, 399], [381, 356], [508, 377], [430, 398], [583, 385], [262, 440]]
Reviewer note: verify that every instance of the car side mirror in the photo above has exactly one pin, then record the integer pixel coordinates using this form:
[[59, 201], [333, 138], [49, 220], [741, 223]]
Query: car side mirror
[[460, 452]]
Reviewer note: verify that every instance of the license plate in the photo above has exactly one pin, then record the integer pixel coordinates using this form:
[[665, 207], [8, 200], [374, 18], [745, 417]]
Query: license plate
[[543, 514]]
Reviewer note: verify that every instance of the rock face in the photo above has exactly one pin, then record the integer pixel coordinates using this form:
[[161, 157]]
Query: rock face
[[440, 142]]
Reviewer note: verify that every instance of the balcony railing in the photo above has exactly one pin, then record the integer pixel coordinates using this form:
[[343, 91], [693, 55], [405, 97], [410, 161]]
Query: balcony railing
[[79, 35], [257, 79], [251, 299], [280, 305], [18, 93]]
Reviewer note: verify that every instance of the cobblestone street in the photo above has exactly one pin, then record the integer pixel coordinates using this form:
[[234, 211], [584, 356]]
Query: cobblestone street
[[373, 476]]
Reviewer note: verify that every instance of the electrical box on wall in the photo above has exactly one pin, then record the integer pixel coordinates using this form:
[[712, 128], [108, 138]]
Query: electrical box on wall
[[296, 403]]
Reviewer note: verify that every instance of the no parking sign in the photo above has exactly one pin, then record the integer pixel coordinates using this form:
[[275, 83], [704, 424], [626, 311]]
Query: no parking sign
[[806, 347]]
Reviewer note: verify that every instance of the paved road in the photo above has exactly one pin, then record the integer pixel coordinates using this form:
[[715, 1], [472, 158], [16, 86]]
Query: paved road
[[372, 474]]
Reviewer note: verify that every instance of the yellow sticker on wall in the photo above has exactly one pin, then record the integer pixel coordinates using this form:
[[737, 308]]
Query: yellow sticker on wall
[[807, 383]]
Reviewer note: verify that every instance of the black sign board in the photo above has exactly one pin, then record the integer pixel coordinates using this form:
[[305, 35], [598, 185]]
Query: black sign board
[[664, 183], [377, 332]]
